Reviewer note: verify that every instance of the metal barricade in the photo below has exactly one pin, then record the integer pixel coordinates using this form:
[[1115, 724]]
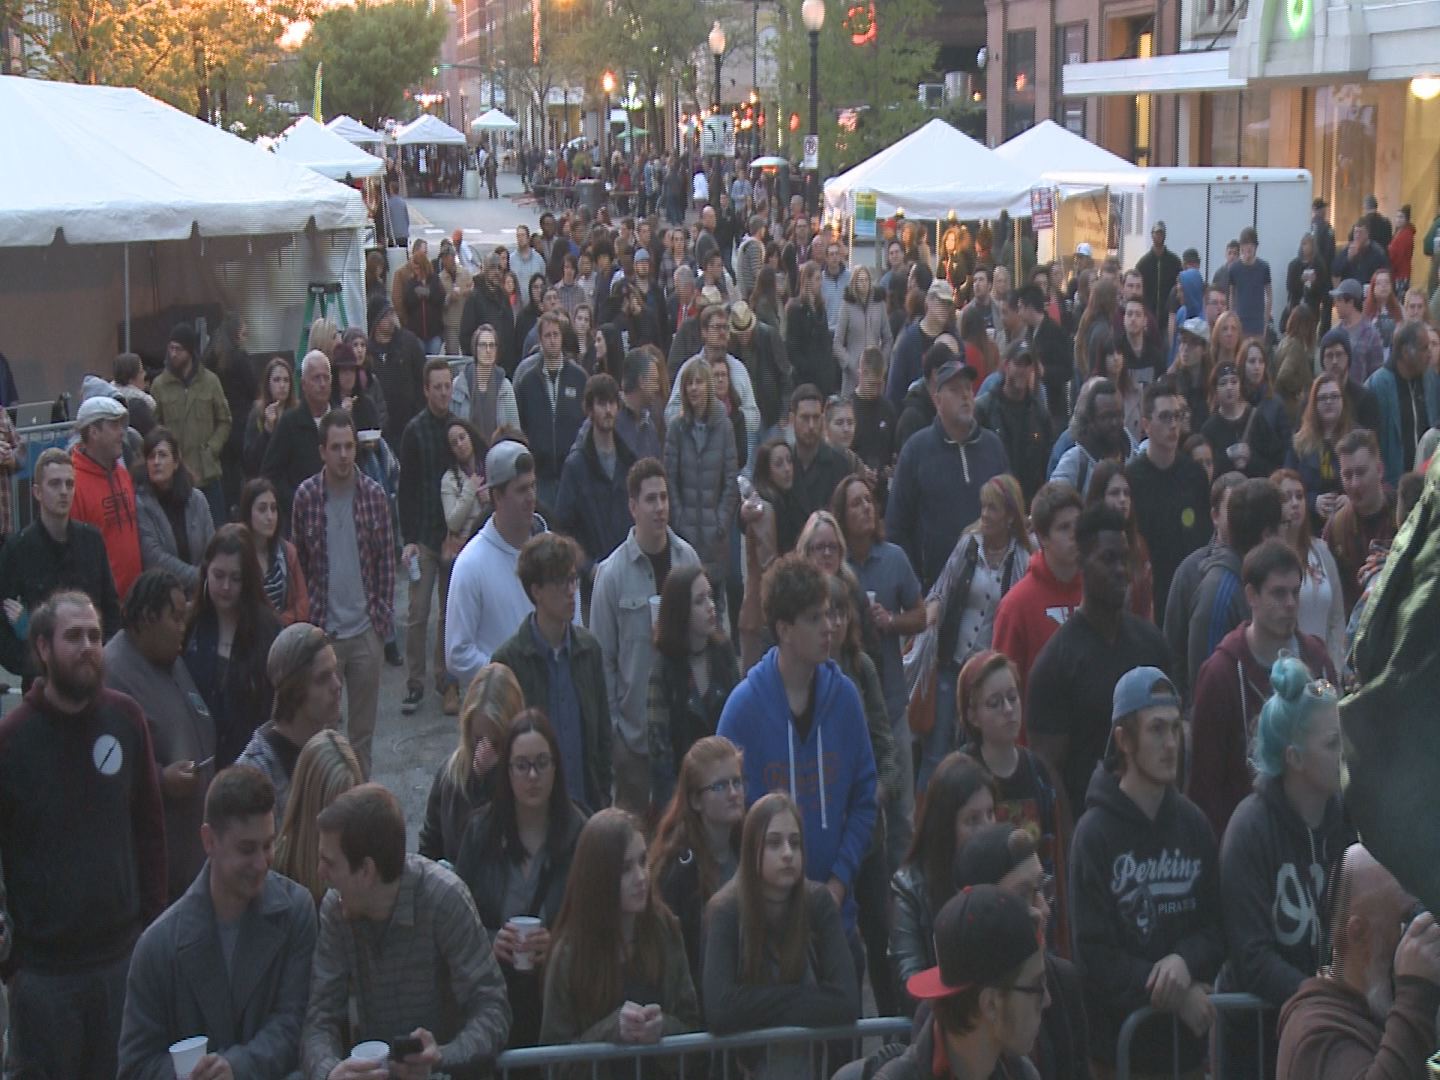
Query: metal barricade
[[33, 441], [1224, 1003], [702, 1044]]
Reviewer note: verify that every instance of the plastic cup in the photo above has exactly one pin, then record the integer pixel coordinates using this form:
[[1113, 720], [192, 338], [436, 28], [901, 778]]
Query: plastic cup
[[654, 611], [413, 565], [186, 1054], [373, 1050], [870, 595], [524, 926]]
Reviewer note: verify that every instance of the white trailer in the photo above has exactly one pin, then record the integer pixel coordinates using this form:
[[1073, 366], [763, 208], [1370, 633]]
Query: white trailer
[[1206, 207]]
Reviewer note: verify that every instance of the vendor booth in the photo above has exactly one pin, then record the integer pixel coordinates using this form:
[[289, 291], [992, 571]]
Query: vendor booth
[[132, 215], [433, 157], [353, 131], [309, 143], [1080, 174]]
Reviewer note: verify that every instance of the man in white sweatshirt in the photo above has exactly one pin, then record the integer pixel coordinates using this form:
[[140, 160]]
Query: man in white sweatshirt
[[486, 600]]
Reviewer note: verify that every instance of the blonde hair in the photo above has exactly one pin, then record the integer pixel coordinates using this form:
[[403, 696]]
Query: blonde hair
[[324, 336], [327, 768], [492, 701]]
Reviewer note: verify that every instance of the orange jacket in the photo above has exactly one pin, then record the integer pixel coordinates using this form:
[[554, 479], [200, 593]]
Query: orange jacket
[[107, 501]]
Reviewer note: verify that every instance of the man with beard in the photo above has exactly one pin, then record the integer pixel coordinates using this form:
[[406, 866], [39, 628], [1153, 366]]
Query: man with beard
[[84, 874], [489, 305], [1100, 435], [262, 923], [1371, 1012]]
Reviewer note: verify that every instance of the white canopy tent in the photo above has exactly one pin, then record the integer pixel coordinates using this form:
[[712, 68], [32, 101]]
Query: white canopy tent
[[134, 209], [308, 142], [493, 120], [1062, 159], [427, 130], [930, 173], [353, 131]]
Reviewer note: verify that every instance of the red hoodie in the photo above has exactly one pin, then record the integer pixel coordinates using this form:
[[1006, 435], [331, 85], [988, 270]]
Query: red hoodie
[[107, 501], [1035, 607], [1229, 692]]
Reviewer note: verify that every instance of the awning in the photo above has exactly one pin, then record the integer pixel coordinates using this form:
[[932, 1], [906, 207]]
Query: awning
[[1173, 73]]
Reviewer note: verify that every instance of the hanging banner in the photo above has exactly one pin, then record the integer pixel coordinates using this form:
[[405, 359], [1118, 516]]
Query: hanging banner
[[1042, 208], [865, 215]]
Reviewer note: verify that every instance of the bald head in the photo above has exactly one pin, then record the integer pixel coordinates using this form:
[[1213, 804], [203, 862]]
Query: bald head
[[1370, 907]]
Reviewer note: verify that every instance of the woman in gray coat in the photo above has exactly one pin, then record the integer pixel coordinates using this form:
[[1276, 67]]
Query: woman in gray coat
[[863, 323], [700, 464], [174, 517]]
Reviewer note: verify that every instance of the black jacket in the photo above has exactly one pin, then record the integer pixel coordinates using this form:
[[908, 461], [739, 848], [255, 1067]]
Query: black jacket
[[590, 506], [1025, 430], [32, 566], [398, 367], [293, 454], [551, 430], [1054, 350], [1139, 891], [769, 367], [489, 307], [916, 414], [811, 348]]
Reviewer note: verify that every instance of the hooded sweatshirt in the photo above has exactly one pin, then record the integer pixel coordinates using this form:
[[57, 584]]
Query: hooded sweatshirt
[[830, 772], [1218, 606], [106, 499], [1139, 891], [1327, 1033], [935, 495], [1031, 612], [1230, 690], [1272, 885]]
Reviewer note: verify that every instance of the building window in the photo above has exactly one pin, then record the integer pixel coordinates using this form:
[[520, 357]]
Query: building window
[[1019, 81], [1236, 129], [1069, 113], [1341, 154]]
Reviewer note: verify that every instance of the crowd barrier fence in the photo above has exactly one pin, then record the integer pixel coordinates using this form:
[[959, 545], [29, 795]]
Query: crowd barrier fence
[[702, 1045], [1224, 1004]]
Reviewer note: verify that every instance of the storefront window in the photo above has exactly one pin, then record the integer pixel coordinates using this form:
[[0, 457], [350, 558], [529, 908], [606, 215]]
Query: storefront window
[[1341, 153], [1420, 171], [1019, 81], [1237, 128]]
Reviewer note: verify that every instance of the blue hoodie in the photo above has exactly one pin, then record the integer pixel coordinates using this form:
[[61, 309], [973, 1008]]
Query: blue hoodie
[[830, 774]]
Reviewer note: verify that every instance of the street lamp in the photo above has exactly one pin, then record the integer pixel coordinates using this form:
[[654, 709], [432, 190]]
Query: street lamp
[[717, 50], [812, 14], [607, 84]]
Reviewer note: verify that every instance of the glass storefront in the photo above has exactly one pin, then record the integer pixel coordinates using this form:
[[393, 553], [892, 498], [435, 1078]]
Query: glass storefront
[[1420, 179], [1236, 128], [1340, 148], [1019, 82]]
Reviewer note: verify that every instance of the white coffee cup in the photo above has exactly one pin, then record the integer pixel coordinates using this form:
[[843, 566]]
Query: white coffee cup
[[870, 595], [524, 926], [373, 1050], [186, 1054], [654, 611]]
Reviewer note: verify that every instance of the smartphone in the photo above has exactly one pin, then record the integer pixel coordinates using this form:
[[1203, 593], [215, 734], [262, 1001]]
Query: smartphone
[[403, 1046]]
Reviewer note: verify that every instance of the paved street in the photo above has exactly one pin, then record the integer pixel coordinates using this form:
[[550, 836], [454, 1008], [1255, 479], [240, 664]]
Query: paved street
[[486, 222]]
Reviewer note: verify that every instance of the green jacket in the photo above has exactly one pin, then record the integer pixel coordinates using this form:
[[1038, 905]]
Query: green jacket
[[198, 415], [587, 668]]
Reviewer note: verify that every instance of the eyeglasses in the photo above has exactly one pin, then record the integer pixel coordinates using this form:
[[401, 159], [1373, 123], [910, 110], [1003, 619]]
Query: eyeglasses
[[724, 787], [1327, 399], [824, 547], [997, 701], [532, 766]]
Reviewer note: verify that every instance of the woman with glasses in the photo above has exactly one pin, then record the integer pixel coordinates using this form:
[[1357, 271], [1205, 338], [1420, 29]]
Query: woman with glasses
[[1277, 854], [1008, 858], [697, 844], [775, 949], [988, 693], [1327, 419], [515, 858], [618, 972], [990, 557], [693, 674]]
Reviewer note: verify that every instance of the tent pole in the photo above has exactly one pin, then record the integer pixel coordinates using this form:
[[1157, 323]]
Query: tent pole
[[1015, 247], [127, 296]]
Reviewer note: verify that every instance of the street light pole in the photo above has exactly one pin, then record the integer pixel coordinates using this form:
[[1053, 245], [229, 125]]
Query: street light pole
[[716, 41], [607, 84], [812, 14]]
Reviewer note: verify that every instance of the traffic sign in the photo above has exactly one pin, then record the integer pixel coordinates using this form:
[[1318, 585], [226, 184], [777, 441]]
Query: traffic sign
[[865, 215], [717, 137], [812, 152]]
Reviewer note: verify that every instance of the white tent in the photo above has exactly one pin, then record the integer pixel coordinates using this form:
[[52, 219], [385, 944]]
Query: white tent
[[1059, 157], [311, 144], [493, 120], [130, 210], [427, 130], [353, 131], [932, 172]]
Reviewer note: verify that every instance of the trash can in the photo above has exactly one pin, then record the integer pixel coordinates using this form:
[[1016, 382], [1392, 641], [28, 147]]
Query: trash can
[[590, 194], [471, 189]]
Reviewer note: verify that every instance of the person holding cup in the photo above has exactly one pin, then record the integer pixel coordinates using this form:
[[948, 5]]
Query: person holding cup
[[515, 858], [592, 987]]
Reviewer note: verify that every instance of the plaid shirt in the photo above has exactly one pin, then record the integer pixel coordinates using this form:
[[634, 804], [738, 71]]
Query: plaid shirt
[[373, 536]]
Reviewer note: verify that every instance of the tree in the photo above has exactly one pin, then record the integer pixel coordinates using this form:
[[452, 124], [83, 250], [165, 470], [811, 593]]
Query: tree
[[872, 59], [194, 54], [536, 66], [372, 53]]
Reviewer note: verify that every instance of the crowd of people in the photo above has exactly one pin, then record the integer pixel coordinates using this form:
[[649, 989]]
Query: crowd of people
[[807, 628]]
